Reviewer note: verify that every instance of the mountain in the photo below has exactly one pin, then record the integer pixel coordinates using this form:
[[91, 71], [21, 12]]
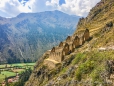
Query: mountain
[[90, 64], [27, 36]]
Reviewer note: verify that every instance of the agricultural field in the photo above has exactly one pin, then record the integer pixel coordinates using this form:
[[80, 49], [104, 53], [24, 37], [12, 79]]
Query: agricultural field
[[9, 70]]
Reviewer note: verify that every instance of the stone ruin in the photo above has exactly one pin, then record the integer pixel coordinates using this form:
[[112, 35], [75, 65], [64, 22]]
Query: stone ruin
[[57, 54]]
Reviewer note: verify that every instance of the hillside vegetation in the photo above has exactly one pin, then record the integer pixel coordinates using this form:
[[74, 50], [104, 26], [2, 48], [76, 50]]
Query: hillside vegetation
[[92, 64]]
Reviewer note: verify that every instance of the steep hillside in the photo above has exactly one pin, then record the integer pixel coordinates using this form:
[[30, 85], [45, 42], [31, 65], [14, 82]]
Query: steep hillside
[[91, 64], [23, 38]]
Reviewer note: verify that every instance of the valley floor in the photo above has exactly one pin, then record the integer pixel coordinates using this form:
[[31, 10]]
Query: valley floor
[[10, 71]]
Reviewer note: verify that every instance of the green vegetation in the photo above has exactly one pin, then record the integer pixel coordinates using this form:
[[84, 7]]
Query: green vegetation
[[8, 73], [23, 78], [8, 70], [63, 70], [93, 66], [79, 56], [22, 64], [5, 74]]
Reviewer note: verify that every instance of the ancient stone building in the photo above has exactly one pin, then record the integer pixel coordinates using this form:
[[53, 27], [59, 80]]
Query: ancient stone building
[[58, 53], [86, 35], [83, 36], [76, 42], [69, 40]]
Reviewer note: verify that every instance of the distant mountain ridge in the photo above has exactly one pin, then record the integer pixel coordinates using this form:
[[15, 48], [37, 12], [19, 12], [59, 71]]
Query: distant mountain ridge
[[28, 35]]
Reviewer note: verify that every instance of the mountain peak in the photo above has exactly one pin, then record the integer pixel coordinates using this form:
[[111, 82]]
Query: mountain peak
[[55, 12]]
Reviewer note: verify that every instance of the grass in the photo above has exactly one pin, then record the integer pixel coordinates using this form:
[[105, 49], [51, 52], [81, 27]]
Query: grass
[[4, 65], [78, 58], [17, 65], [6, 74], [93, 65], [63, 70], [20, 67], [22, 64]]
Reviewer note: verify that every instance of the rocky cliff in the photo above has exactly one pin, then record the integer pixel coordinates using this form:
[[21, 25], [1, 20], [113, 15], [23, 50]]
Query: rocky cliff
[[91, 64]]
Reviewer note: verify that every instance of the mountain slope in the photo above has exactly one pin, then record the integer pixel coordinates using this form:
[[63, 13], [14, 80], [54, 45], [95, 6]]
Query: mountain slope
[[23, 38], [92, 64]]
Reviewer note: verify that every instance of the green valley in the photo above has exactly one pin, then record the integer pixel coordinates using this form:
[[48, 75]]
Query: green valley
[[10, 70]]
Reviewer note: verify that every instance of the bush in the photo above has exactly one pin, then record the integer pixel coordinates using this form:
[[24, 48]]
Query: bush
[[78, 75], [77, 58]]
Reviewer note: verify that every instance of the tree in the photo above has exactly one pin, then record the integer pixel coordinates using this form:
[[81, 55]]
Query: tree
[[23, 77]]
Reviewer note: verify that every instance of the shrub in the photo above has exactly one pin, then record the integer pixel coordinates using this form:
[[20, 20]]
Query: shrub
[[78, 75]]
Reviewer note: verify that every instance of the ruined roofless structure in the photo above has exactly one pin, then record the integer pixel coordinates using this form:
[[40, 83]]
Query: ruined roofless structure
[[58, 53]]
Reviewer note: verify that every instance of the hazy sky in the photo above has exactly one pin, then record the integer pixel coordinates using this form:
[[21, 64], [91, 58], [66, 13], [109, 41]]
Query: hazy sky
[[11, 8]]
